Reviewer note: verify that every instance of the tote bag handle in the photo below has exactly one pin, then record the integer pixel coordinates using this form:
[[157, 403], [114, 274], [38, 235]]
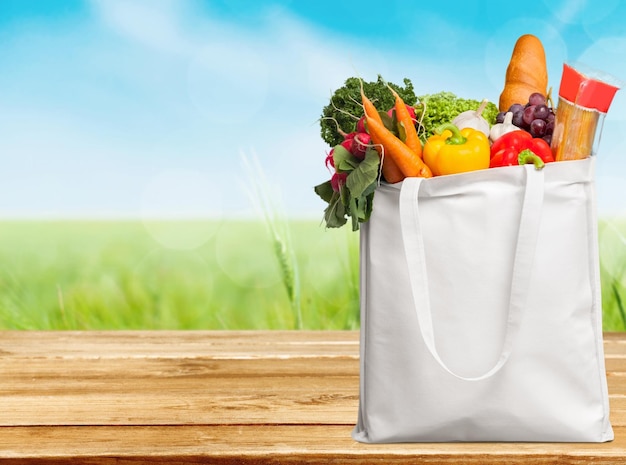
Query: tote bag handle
[[522, 265]]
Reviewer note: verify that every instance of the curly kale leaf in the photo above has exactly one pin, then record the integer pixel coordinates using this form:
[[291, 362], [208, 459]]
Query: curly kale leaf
[[344, 109]]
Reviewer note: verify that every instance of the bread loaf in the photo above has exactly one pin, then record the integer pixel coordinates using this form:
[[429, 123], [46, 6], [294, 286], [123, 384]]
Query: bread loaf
[[527, 72]]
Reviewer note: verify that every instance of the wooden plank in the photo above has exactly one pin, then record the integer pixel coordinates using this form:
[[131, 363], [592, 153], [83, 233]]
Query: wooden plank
[[47, 373], [201, 344], [272, 444], [614, 344], [203, 389], [192, 379], [239, 402], [127, 344], [178, 344], [223, 397], [289, 400]]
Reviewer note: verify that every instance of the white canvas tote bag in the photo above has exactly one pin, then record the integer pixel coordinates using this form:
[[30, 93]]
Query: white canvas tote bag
[[481, 309]]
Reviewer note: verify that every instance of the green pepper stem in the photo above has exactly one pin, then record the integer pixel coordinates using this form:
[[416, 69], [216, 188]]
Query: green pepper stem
[[528, 156], [456, 138]]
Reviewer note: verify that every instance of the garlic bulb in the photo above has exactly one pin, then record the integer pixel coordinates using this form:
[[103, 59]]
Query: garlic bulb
[[473, 119], [502, 128]]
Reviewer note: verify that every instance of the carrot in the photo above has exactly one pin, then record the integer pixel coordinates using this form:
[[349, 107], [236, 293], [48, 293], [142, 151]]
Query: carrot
[[403, 116], [391, 172], [368, 106], [406, 159]]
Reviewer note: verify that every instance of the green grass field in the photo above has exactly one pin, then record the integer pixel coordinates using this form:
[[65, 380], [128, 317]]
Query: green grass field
[[203, 275], [174, 275]]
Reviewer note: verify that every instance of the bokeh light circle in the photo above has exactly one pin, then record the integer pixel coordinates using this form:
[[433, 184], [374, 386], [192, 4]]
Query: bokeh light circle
[[608, 56], [249, 266], [228, 83], [181, 209]]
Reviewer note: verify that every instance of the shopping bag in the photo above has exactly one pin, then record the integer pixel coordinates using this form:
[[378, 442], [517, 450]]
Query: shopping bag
[[481, 309]]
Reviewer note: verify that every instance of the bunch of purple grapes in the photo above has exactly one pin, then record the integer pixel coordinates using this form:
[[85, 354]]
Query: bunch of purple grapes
[[536, 117]]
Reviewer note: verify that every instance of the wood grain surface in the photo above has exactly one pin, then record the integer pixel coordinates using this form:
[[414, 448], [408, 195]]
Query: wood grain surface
[[190, 397]]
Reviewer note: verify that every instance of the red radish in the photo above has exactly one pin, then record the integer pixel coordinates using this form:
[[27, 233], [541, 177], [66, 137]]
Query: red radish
[[338, 180], [330, 161], [350, 135], [360, 125], [347, 144], [359, 145]]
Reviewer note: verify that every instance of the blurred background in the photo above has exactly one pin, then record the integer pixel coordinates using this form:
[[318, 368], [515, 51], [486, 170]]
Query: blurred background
[[159, 156]]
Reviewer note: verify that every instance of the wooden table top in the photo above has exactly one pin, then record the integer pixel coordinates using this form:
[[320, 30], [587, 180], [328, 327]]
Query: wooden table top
[[190, 397]]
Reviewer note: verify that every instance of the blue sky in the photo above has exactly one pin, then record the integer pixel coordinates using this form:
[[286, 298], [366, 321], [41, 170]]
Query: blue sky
[[135, 108]]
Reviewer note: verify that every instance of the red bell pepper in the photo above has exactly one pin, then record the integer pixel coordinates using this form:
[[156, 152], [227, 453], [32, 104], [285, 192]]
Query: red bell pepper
[[506, 150]]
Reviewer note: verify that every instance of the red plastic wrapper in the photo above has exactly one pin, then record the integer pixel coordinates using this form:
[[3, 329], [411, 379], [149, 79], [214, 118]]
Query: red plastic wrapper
[[584, 100]]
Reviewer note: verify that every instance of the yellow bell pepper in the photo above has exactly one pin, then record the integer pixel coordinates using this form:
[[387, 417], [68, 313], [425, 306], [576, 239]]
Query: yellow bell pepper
[[451, 151]]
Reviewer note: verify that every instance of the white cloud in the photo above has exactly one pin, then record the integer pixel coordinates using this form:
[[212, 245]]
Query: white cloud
[[306, 62], [581, 11], [154, 23], [570, 9], [186, 90], [299, 61], [260, 88], [228, 84]]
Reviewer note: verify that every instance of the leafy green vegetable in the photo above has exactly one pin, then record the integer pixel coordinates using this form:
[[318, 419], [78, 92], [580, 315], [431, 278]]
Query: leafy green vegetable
[[443, 107], [356, 196], [325, 191], [335, 213], [344, 108], [364, 175], [344, 160]]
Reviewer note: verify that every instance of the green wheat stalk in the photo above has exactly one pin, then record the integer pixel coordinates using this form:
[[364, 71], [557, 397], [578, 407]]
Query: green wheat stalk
[[618, 301], [278, 228]]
